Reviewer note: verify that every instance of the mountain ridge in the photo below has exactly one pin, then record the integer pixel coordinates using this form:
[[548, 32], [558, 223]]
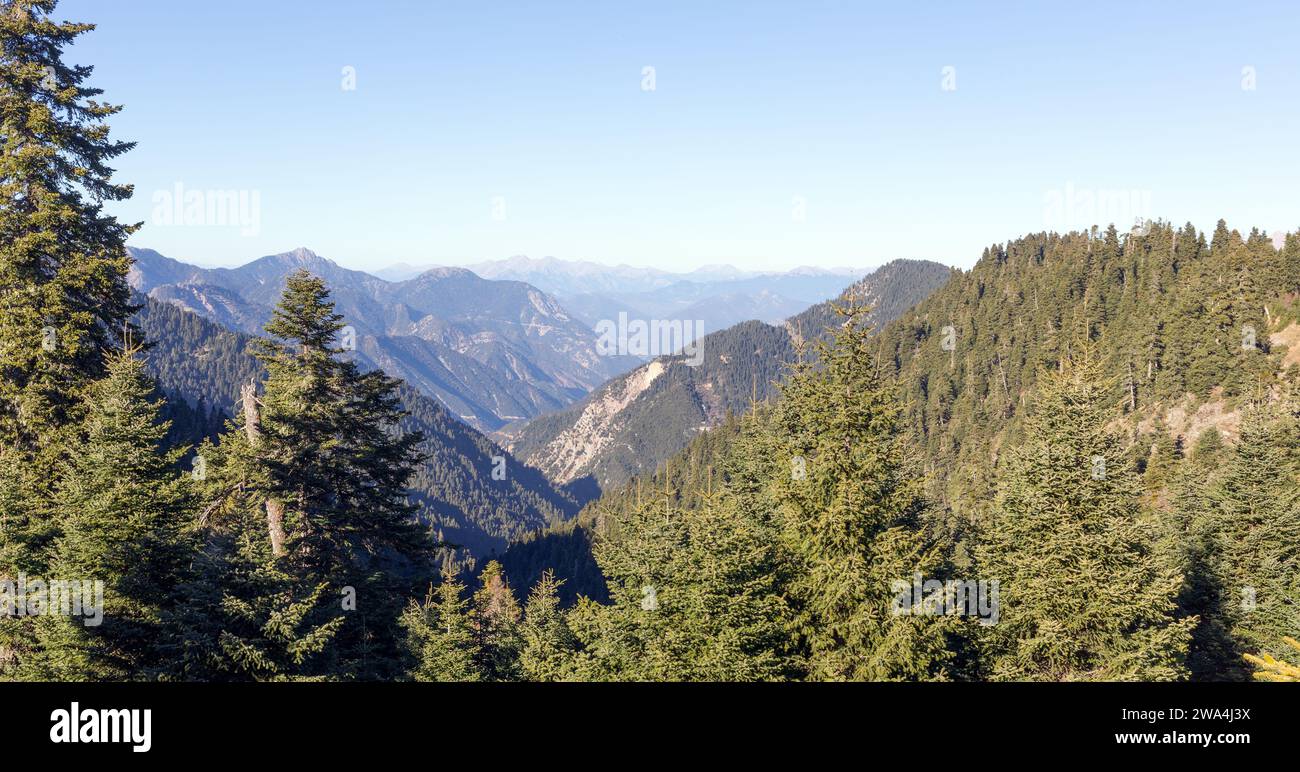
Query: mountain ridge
[[492, 351]]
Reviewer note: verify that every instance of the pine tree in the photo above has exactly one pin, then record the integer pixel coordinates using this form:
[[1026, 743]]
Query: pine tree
[[124, 511], [313, 543], [439, 634], [849, 507], [1084, 593], [497, 617], [243, 615], [548, 642]]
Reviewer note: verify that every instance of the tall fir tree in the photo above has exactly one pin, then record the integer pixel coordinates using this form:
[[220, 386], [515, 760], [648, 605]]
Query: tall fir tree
[[309, 505], [335, 460], [64, 300], [1252, 515], [125, 510], [1084, 593], [63, 260], [850, 509]]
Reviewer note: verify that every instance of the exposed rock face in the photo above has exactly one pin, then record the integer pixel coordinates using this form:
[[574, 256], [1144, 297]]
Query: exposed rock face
[[575, 448]]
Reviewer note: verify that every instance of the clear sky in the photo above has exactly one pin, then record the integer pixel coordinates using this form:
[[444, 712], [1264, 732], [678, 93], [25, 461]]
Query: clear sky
[[776, 133]]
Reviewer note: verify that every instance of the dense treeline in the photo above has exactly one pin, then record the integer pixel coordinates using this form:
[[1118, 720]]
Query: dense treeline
[[1170, 315]]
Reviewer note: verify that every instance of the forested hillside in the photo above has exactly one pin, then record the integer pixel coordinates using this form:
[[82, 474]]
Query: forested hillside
[[1160, 364], [1077, 461], [1183, 329]]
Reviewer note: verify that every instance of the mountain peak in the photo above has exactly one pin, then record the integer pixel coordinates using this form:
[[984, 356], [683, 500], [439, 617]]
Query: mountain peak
[[444, 272], [302, 255]]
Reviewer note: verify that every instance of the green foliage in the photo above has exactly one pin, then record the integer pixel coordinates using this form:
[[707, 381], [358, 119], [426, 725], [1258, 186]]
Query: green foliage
[[1085, 594], [548, 642], [1272, 669], [320, 454], [1242, 548], [64, 301], [1166, 314], [124, 510], [769, 549], [63, 260], [693, 597], [849, 509], [440, 634]]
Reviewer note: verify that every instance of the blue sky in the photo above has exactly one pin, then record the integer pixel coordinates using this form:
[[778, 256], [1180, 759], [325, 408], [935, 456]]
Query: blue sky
[[777, 133]]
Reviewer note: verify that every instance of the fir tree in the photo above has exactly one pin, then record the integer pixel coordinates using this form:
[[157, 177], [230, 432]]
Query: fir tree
[[1253, 511], [850, 507], [124, 511], [308, 503], [694, 596], [64, 299], [243, 614], [63, 260], [333, 467], [548, 642], [440, 636], [1084, 594]]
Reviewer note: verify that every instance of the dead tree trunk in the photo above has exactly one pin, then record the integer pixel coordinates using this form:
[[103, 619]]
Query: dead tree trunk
[[274, 507]]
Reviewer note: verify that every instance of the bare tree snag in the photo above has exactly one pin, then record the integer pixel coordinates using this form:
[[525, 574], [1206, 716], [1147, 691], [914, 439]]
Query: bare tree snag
[[252, 430]]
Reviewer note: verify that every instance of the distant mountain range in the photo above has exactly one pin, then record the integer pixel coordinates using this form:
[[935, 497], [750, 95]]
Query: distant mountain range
[[636, 421], [491, 351], [717, 295]]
